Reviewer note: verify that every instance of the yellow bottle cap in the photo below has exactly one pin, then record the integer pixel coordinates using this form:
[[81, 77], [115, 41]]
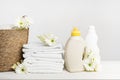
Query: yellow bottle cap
[[75, 32]]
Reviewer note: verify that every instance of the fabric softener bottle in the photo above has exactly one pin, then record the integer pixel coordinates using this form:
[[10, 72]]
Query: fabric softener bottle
[[92, 54]]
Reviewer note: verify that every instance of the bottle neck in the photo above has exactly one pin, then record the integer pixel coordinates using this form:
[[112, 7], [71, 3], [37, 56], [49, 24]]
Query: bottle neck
[[75, 37]]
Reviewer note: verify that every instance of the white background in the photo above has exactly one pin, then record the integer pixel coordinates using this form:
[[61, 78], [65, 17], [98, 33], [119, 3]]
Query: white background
[[59, 17]]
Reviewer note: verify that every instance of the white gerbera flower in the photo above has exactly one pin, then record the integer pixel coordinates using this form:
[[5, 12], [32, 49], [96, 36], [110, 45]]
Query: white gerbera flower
[[90, 64], [21, 69], [23, 22], [91, 60], [48, 39]]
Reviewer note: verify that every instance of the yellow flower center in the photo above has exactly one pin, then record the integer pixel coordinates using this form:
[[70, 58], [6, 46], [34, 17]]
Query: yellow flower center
[[22, 69], [21, 23], [90, 64], [52, 40]]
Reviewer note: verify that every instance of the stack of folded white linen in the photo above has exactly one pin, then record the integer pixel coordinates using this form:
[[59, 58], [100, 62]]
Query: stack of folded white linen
[[39, 58]]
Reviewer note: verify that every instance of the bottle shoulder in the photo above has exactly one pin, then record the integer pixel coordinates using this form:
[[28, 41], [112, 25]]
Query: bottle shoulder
[[76, 38], [76, 41]]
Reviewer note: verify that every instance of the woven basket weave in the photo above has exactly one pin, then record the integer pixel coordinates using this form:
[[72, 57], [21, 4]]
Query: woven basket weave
[[11, 42]]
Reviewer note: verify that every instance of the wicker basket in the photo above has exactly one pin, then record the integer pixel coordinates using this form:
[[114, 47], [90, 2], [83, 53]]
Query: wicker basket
[[11, 42]]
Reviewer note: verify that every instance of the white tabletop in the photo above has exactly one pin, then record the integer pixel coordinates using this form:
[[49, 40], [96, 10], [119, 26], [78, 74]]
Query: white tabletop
[[110, 70]]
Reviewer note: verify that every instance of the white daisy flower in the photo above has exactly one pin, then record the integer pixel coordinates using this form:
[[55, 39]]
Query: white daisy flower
[[48, 39], [90, 64], [21, 69], [23, 22]]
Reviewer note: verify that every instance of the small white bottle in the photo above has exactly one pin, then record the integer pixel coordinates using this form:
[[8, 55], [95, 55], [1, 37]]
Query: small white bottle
[[91, 56], [74, 50]]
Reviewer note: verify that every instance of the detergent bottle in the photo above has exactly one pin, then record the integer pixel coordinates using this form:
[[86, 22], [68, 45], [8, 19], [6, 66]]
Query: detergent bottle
[[74, 50]]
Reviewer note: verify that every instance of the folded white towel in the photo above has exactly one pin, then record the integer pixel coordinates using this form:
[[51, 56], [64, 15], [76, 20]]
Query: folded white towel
[[43, 52], [41, 63], [41, 46], [44, 65], [44, 68], [28, 65], [44, 71], [29, 59], [57, 56]]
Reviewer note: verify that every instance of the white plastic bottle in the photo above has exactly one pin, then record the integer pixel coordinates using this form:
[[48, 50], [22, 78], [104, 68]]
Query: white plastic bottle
[[74, 50], [92, 56]]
